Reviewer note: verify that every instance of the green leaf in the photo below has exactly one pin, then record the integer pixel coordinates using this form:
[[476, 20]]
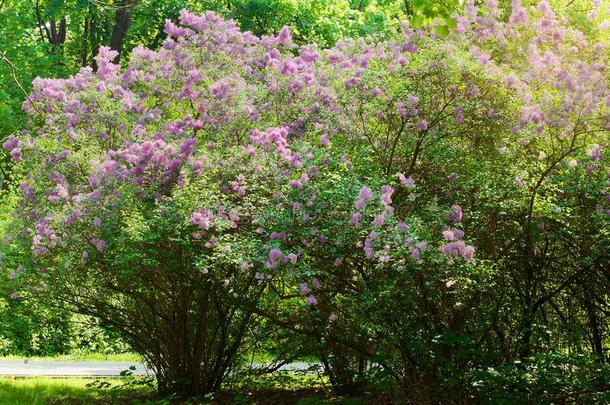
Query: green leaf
[[441, 30]]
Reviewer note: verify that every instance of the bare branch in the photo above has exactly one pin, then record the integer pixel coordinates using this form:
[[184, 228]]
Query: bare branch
[[16, 80]]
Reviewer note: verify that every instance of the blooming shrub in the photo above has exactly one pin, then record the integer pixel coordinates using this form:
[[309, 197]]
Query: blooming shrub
[[507, 120], [148, 219], [369, 198]]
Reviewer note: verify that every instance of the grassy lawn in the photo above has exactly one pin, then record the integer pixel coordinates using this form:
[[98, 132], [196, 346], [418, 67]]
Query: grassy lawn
[[276, 388], [46, 390]]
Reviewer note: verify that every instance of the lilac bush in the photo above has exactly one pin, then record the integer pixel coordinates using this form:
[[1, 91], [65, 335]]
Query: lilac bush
[[143, 207], [504, 124], [370, 198]]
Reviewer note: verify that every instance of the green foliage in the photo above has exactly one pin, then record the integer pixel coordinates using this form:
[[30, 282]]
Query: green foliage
[[32, 331], [544, 379], [29, 328], [44, 391]]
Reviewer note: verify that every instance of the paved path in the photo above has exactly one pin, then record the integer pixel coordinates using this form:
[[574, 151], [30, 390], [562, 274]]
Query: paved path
[[21, 368], [294, 367], [68, 368]]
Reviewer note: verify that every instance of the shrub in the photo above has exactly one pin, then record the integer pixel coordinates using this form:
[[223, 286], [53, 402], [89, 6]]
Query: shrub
[[408, 207], [544, 378]]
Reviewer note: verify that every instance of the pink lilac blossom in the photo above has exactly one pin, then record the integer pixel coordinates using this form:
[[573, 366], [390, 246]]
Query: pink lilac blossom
[[458, 248], [100, 244], [364, 196], [595, 152], [386, 195], [456, 214], [519, 14], [276, 257], [406, 181], [11, 143], [203, 218], [379, 220]]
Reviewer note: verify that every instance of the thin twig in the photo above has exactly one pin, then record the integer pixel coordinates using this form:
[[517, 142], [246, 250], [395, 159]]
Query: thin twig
[[126, 5], [16, 80]]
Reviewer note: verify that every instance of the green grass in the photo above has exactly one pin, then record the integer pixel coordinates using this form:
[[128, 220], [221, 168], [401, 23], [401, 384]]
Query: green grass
[[46, 390], [246, 390], [80, 357], [41, 390]]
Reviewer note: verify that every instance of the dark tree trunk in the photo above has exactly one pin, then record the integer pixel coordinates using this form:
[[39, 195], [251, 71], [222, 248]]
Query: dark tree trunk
[[58, 36], [408, 8], [344, 367], [85, 42], [122, 20], [525, 348], [93, 39], [58, 39], [41, 24], [192, 363], [596, 333]]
